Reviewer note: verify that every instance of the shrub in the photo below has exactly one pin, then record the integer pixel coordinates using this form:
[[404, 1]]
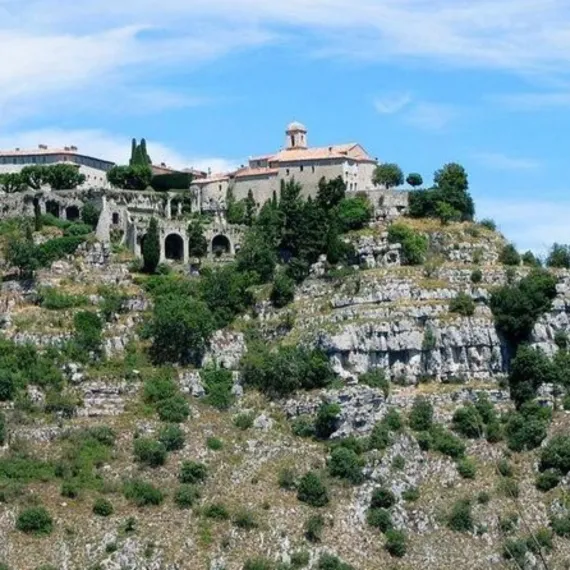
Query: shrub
[[150, 452], [2, 429], [411, 495], [376, 379], [524, 433], [396, 543], [509, 523], [151, 247], [218, 383], [398, 462], [542, 538], [312, 490], [424, 439], [214, 444], [354, 213], [509, 488], [559, 256], [494, 432], [393, 420], [192, 472], [53, 300], [447, 443], [547, 480], [330, 562], [244, 421], [345, 464], [35, 520], [476, 276], [483, 497], [87, 334], [460, 519], [172, 437], [488, 224], [70, 489], [300, 559], [556, 454], [414, 245], [283, 291], [102, 507], [382, 499], [515, 549], [462, 304], [217, 511], [142, 493], [287, 479], [504, 468], [379, 518], [561, 525], [258, 564], [327, 419], [245, 519], [185, 496], [467, 468], [421, 415], [380, 437], [173, 410], [468, 422], [303, 426], [510, 256], [314, 528]]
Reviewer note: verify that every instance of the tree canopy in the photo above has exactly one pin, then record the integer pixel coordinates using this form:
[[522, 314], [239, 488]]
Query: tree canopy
[[389, 175]]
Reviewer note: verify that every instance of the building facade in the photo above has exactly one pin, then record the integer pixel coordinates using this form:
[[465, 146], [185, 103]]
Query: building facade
[[94, 169], [297, 160]]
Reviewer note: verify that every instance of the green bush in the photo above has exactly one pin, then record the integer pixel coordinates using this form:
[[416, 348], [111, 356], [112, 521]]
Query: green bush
[[460, 518], [559, 256], [510, 256], [382, 499], [466, 468], [174, 409], [51, 299], [87, 332], [312, 490], [396, 543], [314, 526], [216, 511], [102, 507], [258, 564], [327, 420], [524, 433], [162, 392], [192, 472], [379, 518], [515, 549], [218, 384], [380, 437], [468, 422], [150, 452], [376, 379], [300, 559], [556, 454], [421, 415], [35, 520], [303, 426], [462, 304], [287, 479], [504, 468], [561, 525], [393, 420], [283, 291], [245, 519], [354, 213], [411, 495], [509, 488], [244, 421], [541, 539], [346, 464], [172, 437], [476, 276], [70, 489], [142, 493], [447, 443], [330, 562], [547, 480], [414, 245], [186, 496], [214, 444]]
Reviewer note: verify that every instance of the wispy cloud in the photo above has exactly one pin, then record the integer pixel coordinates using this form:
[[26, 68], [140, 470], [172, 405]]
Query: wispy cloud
[[501, 161], [431, 116], [114, 147], [391, 103]]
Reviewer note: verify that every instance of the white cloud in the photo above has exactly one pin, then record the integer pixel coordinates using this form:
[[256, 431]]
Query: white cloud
[[114, 147], [431, 116], [501, 161], [392, 103], [530, 224]]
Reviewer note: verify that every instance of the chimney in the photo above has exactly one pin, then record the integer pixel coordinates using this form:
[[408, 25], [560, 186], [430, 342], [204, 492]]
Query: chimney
[[72, 147], [163, 164], [66, 148], [42, 146]]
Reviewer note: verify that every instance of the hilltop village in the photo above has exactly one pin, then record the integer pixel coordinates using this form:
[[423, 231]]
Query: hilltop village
[[316, 361]]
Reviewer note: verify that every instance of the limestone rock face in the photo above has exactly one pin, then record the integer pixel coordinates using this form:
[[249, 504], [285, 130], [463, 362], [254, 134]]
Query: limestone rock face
[[226, 350]]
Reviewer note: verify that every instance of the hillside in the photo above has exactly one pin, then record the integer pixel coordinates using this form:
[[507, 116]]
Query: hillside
[[400, 479]]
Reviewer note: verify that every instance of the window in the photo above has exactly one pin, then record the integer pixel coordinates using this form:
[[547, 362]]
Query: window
[[313, 167], [301, 168], [287, 172]]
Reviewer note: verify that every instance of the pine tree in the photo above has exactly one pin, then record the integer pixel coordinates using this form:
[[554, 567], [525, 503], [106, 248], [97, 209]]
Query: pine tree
[[151, 248]]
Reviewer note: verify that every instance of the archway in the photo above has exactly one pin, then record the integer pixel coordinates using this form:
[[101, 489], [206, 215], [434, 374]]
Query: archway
[[221, 245], [52, 208], [72, 213], [174, 247], [116, 218]]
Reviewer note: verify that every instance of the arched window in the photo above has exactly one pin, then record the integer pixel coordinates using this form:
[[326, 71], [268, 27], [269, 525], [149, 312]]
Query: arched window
[[174, 247], [72, 213], [221, 246]]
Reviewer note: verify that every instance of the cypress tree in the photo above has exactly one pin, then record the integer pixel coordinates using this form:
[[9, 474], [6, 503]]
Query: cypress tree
[[37, 216], [145, 158], [133, 151], [151, 248]]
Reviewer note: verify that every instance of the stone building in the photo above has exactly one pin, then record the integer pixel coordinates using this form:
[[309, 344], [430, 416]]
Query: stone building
[[95, 169], [307, 165]]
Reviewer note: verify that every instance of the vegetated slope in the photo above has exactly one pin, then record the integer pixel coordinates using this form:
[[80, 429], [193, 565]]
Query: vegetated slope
[[140, 466]]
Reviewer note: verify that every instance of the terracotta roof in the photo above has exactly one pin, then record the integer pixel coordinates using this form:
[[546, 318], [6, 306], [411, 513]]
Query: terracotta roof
[[221, 177], [352, 150], [250, 172], [69, 151]]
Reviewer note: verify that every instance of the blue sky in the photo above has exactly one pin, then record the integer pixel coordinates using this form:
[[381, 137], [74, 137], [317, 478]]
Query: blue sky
[[210, 82]]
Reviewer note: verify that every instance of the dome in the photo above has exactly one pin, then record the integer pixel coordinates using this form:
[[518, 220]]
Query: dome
[[296, 126]]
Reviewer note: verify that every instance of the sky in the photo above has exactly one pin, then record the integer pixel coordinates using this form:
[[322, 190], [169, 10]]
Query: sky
[[485, 83]]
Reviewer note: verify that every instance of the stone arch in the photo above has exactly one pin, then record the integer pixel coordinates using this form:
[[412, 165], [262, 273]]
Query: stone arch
[[52, 208], [221, 245], [174, 247], [72, 213]]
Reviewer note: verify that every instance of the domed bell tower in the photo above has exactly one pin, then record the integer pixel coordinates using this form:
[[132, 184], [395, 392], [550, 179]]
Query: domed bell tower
[[296, 136]]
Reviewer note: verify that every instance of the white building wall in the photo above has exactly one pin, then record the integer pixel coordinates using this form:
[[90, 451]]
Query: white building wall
[[261, 186]]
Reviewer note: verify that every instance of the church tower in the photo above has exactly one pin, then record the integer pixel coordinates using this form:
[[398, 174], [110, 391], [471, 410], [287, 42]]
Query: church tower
[[296, 136]]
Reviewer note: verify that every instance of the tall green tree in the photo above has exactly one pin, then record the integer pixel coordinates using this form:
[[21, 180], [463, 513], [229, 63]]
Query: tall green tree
[[257, 256], [197, 242], [133, 177], [64, 177], [331, 192], [414, 179], [151, 248], [389, 175], [35, 176], [250, 209], [11, 182], [559, 256]]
